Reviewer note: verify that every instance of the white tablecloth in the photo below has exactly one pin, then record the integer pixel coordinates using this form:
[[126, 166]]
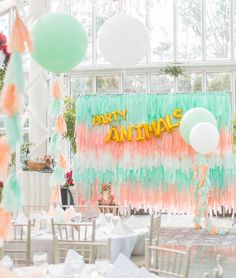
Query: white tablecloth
[[127, 244], [35, 187]]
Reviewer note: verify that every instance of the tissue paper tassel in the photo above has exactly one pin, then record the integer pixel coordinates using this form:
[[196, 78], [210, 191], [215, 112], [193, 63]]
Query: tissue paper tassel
[[14, 133], [5, 223], [60, 125], [62, 162], [56, 91], [10, 101], [19, 37], [11, 195], [56, 195], [5, 157]]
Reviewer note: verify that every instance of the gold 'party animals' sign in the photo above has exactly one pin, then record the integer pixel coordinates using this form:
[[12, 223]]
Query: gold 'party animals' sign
[[143, 131]]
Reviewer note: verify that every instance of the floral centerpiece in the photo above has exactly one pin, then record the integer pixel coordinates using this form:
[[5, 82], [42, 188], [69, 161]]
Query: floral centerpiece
[[69, 180], [106, 198]]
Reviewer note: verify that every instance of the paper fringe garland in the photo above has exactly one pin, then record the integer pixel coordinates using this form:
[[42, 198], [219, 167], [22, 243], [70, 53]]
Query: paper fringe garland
[[158, 171], [10, 103]]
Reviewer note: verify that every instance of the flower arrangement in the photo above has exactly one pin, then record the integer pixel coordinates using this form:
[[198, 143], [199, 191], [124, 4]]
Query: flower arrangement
[[69, 180], [4, 54], [106, 198]]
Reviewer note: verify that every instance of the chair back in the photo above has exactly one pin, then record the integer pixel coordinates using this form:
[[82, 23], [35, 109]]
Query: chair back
[[167, 262], [122, 211], [70, 236], [18, 247], [155, 228], [30, 210]]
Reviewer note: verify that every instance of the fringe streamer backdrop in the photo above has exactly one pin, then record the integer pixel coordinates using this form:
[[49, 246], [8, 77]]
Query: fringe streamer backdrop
[[158, 171]]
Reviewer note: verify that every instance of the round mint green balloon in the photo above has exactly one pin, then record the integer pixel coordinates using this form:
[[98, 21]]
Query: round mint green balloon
[[191, 118], [60, 42]]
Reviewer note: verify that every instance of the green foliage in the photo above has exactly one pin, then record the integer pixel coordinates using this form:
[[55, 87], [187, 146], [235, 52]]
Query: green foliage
[[2, 74], [173, 71], [220, 83], [69, 115]]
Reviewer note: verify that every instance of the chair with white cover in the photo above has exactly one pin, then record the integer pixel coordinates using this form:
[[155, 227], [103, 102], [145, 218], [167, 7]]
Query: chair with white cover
[[153, 237], [167, 262], [155, 229], [18, 247], [122, 211], [79, 237]]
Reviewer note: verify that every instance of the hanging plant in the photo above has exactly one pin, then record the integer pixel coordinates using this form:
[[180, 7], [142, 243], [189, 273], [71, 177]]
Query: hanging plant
[[173, 71], [4, 58], [69, 115]]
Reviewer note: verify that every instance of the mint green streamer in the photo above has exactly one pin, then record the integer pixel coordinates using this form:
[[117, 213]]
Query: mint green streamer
[[12, 195], [13, 131], [147, 107], [15, 72]]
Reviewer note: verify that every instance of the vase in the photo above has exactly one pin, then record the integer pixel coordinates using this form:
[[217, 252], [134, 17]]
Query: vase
[[66, 197]]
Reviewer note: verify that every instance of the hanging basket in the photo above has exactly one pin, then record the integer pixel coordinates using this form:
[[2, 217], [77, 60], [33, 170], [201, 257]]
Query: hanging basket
[[36, 166]]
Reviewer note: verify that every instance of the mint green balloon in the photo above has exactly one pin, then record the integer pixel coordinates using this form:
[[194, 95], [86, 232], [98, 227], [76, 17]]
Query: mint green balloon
[[191, 118], [60, 42]]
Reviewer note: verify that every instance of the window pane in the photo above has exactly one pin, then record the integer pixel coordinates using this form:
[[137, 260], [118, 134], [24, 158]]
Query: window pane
[[161, 30], [81, 85], [218, 81], [135, 84], [162, 84], [190, 83], [83, 11], [217, 29], [189, 29], [108, 84], [4, 24]]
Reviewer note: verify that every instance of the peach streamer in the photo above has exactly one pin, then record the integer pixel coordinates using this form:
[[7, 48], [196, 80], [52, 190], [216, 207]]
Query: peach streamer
[[56, 195], [19, 37], [5, 223], [62, 162], [168, 145], [60, 125], [5, 157], [10, 101], [56, 91]]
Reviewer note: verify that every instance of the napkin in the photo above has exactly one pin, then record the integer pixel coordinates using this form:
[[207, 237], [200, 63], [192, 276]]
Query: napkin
[[122, 229], [101, 220], [59, 215], [123, 267], [73, 262], [144, 273], [21, 218], [134, 222], [69, 213]]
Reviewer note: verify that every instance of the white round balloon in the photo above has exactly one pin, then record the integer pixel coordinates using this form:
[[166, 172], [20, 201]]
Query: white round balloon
[[123, 40], [204, 138]]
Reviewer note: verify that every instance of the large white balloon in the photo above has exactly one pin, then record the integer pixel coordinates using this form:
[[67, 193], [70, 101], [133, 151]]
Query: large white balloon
[[123, 40], [204, 138]]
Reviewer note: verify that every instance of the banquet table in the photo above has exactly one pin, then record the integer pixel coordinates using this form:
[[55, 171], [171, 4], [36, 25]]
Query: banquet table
[[128, 244]]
